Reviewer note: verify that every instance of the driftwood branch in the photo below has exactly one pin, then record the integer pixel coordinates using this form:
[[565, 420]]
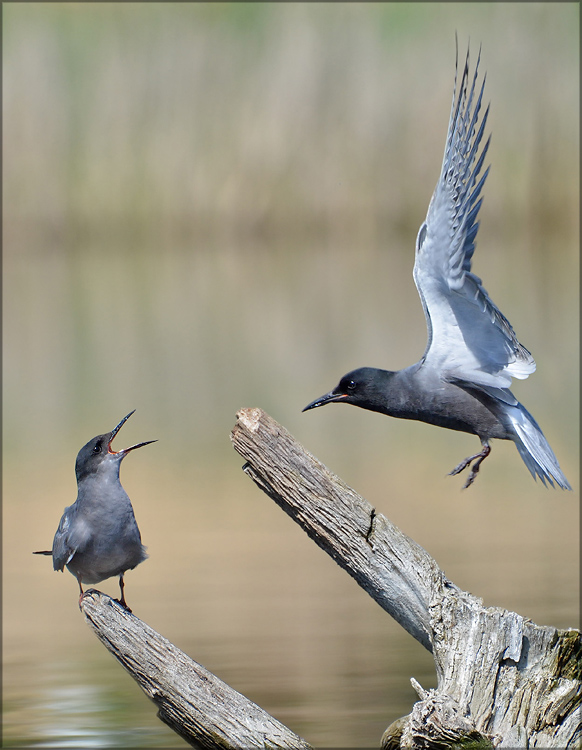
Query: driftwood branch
[[196, 704], [503, 681], [397, 572]]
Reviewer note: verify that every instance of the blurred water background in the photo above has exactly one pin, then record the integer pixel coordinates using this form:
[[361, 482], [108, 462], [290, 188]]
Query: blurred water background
[[211, 206]]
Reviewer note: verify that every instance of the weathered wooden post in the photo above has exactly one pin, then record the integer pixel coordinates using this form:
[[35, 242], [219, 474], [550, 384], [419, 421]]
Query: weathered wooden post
[[502, 679]]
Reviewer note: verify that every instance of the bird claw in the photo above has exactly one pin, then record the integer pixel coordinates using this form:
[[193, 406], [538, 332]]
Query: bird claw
[[478, 458], [124, 604], [471, 478], [462, 466]]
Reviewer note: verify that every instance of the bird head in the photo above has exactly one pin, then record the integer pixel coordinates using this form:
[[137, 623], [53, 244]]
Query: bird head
[[361, 387], [98, 455]]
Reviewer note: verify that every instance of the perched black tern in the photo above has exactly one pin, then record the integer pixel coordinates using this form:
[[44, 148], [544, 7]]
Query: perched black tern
[[98, 536]]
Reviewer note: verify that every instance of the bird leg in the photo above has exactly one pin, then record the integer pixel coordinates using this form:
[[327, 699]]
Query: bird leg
[[121, 599], [80, 589], [480, 457]]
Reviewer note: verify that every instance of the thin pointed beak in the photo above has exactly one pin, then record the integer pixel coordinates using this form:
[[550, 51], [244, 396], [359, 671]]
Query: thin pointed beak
[[329, 398], [119, 426], [125, 451]]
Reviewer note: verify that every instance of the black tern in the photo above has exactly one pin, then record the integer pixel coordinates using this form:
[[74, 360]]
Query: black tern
[[462, 381], [98, 536]]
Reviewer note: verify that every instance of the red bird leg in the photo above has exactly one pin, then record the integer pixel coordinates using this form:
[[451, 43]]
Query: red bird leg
[[80, 589]]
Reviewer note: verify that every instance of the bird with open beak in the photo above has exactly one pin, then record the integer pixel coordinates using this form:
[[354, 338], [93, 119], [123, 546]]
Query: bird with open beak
[[98, 536]]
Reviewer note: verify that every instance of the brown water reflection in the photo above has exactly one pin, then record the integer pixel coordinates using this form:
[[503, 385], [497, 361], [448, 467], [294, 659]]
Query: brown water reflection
[[172, 247]]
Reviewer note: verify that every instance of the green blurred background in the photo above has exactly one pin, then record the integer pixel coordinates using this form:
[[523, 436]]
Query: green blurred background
[[210, 206]]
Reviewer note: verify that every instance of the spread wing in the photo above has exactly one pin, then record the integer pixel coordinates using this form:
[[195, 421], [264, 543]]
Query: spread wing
[[469, 339]]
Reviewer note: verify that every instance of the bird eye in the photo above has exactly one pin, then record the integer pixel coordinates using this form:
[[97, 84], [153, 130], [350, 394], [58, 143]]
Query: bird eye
[[96, 449], [351, 385]]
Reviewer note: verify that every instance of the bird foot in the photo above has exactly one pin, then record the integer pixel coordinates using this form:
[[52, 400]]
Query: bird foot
[[478, 458], [124, 604], [86, 593]]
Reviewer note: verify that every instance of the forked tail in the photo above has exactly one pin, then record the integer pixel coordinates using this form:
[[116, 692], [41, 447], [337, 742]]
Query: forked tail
[[534, 448]]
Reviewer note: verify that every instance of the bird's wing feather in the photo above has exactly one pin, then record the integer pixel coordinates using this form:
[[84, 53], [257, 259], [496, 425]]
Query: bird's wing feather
[[62, 551], [468, 337], [70, 537]]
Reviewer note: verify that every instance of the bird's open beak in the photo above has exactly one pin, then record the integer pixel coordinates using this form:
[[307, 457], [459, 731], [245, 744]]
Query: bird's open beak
[[125, 451], [329, 398]]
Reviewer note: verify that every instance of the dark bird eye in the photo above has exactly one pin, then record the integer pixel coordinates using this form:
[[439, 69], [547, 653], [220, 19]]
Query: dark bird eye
[[97, 449], [351, 385]]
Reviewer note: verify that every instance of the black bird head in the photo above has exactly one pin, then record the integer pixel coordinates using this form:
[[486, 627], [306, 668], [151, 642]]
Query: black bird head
[[364, 387], [98, 455]]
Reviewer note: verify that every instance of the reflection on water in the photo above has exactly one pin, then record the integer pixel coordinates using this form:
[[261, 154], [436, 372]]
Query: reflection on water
[[186, 252], [72, 717]]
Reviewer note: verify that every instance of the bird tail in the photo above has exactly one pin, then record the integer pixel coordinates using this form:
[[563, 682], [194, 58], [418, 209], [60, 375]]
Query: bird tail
[[44, 552], [535, 449]]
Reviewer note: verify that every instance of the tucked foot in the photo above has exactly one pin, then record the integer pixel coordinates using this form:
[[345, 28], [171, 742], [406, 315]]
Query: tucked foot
[[478, 458]]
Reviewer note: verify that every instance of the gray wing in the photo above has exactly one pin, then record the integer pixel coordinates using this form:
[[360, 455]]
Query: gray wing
[[468, 337], [70, 537]]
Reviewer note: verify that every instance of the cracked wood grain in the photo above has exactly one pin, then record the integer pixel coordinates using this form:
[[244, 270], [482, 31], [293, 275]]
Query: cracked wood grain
[[503, 681], [197, 705], [396, 571]]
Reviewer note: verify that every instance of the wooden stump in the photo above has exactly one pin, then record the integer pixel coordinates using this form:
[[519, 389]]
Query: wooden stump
[[502, 679]]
